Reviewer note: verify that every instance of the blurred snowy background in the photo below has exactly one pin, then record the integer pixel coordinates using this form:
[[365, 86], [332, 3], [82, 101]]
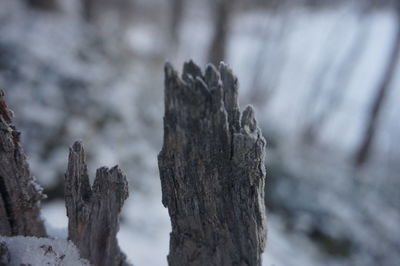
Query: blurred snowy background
[[322, 74]]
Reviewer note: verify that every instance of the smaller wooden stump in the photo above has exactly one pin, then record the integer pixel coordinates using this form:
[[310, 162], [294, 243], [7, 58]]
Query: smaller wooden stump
[[93, 211]]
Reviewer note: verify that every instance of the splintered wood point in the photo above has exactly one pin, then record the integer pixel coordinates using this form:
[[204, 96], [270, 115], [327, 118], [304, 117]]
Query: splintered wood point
[[212, 170], [93, 211]]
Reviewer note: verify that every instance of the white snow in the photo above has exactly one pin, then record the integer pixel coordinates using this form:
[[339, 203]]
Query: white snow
[[42, 251], [55, 218]]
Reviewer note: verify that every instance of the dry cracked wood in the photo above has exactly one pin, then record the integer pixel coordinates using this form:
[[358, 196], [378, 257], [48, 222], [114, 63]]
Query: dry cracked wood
[[4, 254], [93, 211], [212, 170], [20, 195]]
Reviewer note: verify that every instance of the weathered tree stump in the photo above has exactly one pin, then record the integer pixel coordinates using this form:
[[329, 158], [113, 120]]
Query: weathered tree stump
[[212, 170], [20, 195], [93, 211]]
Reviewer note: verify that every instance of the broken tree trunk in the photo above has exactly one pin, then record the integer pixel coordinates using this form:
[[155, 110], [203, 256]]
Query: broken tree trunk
[[20, 195], [93, 211], [212, 170]]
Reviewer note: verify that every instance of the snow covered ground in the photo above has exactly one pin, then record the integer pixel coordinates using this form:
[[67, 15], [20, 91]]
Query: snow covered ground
[[65, 84], [42, 251]]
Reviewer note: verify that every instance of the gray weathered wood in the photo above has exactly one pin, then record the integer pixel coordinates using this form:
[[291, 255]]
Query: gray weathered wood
[[20, 195], [212, 170], [4, 254], [93, 211]]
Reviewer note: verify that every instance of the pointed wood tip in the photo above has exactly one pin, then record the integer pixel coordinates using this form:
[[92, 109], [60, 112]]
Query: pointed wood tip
[[77, 147], [191, 71], [113, 179], [5, 112], [249, 122], [169, 70], [212, 76]]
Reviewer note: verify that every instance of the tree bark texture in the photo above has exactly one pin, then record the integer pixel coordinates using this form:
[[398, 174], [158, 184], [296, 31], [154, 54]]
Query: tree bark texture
[[4, 254], [212, 170], [93, 211], [20, 195]]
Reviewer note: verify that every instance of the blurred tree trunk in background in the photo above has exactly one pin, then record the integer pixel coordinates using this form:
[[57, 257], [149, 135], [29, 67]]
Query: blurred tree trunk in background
[[343, 77], [48, 5], [318, 86], [111, 20], [271, 36], [88, 11], [125, 10], [93, 10], [177, 7], [364, 150], [223, 11]]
